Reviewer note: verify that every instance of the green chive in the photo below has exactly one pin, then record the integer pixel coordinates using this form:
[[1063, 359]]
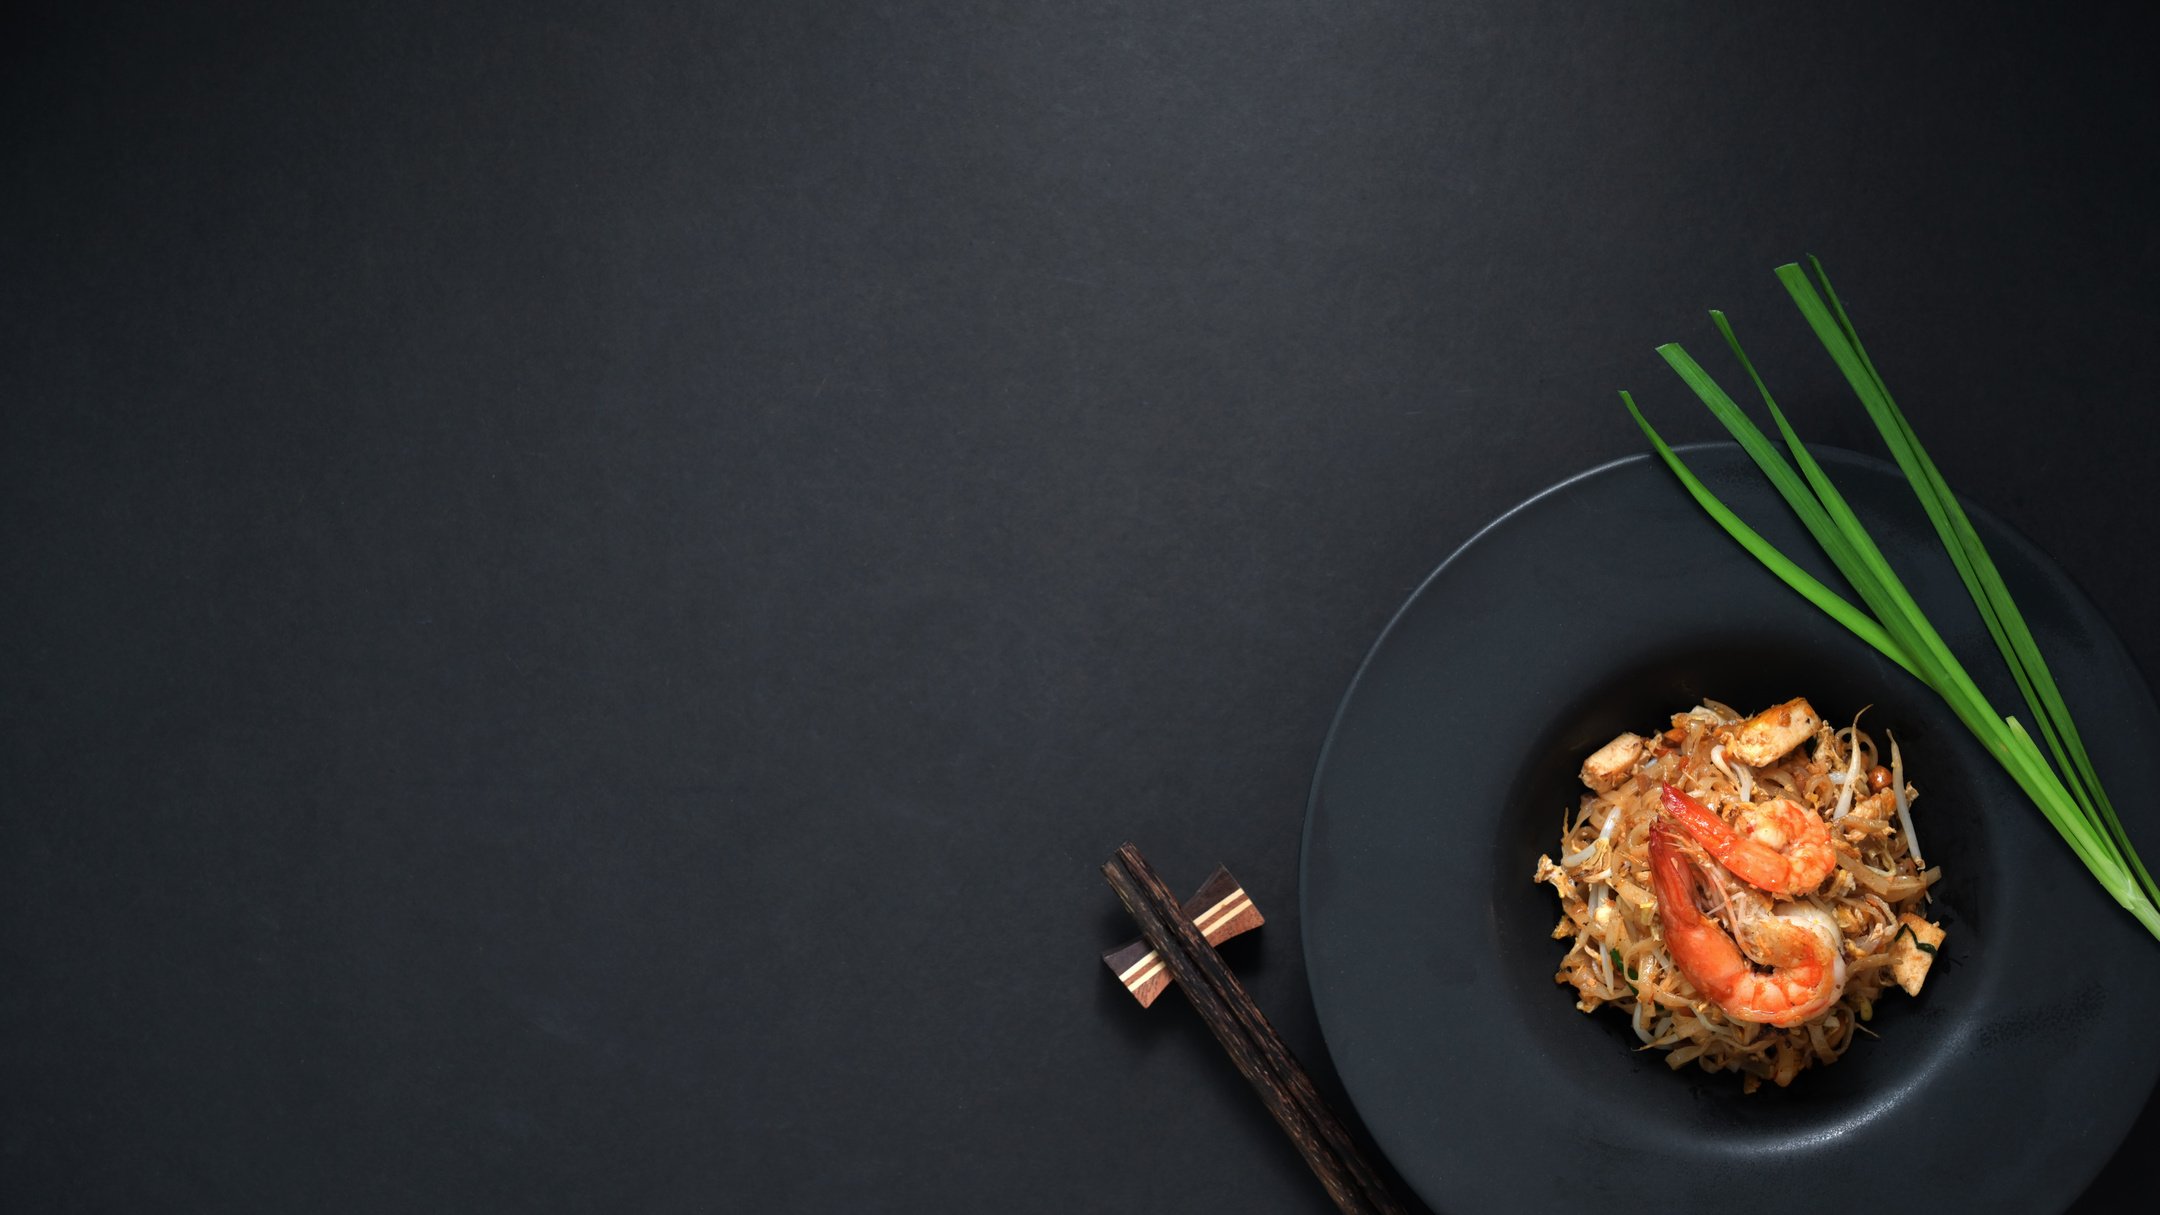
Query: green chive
[[1834, 605], [2071, 799], [2005, 624]]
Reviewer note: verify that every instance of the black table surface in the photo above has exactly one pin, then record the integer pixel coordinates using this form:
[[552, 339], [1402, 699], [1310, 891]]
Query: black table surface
[[588, 585]]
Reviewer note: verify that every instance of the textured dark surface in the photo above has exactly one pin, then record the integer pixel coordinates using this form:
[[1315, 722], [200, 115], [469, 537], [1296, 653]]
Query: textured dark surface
[[588, 588]]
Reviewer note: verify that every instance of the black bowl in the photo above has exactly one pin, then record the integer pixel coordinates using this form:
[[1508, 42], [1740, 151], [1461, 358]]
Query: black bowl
[[1606, 604]]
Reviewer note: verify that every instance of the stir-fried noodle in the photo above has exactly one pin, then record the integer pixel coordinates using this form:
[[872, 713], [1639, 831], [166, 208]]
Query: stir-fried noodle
[[1744, 890]]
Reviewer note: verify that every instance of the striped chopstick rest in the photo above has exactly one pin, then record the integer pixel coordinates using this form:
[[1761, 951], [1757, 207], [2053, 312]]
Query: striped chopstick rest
[[1220, 910]]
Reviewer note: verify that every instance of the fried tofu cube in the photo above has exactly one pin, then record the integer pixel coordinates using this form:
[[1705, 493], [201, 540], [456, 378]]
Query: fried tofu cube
[[1766, 737], [1610, 764], [1913, 952]]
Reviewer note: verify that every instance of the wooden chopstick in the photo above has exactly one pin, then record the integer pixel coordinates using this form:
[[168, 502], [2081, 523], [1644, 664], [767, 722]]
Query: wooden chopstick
[[1251, 1041]]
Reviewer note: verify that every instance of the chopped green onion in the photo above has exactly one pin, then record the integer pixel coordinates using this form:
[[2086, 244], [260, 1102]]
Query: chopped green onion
[[2068, 794]]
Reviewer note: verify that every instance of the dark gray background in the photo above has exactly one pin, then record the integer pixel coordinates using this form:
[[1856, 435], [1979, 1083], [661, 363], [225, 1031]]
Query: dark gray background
[[587, 587]]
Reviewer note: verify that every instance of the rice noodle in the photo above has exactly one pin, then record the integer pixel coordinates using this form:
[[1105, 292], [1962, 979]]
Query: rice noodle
[[1573, 859], [1890, 886], [1618, 955]]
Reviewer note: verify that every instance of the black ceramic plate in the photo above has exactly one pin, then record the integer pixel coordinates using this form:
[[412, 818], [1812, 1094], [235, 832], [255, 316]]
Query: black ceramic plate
[[1607, 603]]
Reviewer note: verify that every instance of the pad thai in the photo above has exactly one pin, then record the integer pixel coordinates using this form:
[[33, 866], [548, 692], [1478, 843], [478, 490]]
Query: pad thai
[[1744, 889]]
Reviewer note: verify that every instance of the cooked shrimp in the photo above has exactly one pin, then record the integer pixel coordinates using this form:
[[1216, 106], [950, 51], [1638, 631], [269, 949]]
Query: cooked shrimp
[[1799, 943], [1780, 846]]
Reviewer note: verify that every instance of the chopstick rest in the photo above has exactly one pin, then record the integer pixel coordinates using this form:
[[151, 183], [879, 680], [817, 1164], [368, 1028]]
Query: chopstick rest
[[1220, 909], [1246, 1035]]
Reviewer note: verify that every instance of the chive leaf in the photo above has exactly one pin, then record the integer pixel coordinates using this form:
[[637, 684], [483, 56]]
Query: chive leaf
[[2069, 794]]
